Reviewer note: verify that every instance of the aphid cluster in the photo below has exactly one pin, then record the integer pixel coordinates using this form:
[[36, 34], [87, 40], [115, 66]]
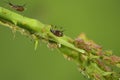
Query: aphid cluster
[[56, 32], [88, 45]]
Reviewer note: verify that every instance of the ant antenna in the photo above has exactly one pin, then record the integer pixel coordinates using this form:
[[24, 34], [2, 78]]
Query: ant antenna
[[8, 2]]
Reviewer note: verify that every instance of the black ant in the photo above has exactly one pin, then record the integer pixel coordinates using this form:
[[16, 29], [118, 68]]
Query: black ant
[[56, 32], [17, 7]]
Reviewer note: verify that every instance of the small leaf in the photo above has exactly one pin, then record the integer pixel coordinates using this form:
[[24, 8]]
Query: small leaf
[[36, 44], [107, 73]]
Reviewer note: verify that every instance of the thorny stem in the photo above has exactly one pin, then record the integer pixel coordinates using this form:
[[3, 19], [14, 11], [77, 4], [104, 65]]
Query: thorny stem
[[92, 61]]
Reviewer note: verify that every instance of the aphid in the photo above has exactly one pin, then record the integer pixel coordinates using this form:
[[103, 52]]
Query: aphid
[[52, 44], [56, 32], [17, 7]]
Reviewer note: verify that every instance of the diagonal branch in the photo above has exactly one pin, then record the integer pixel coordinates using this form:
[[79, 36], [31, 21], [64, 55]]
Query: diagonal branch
[[92, 61]]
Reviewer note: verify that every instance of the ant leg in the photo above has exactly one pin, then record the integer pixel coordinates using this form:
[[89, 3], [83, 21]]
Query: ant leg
[[55, 27], [61, 28], [52, 27]]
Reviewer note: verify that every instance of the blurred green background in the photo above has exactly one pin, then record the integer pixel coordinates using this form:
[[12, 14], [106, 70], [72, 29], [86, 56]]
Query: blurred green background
[[99, 19]]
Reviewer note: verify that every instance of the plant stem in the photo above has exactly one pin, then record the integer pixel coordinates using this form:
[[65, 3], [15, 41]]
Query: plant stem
[[90, 58]]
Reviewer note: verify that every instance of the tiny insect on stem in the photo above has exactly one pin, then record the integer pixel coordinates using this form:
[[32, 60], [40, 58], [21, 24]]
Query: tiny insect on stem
[[56, 32], [16, 7]]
